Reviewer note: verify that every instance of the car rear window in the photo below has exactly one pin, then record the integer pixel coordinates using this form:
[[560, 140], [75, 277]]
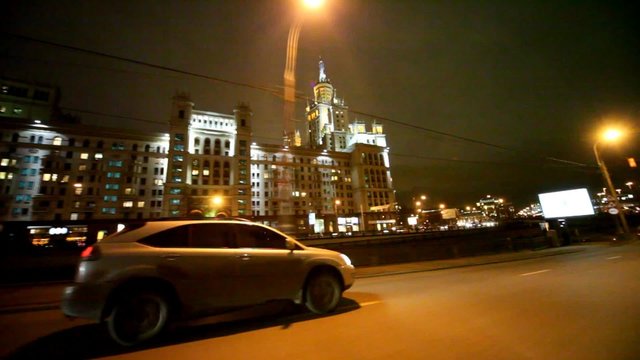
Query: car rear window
[[177, 237]]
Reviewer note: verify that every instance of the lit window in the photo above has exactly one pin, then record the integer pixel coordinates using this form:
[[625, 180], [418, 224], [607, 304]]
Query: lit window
[[97, 156], [82, 167], [127, 204], [57, 141], [84, 156], [46, 177], [195, 172], [205, 172], [128, 191], [158, 182], [140, 204], [3, 175], [4, 162], [65, 179]]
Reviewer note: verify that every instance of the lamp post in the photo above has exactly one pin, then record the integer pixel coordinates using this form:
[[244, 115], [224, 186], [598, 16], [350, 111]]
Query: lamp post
[[611, 135]]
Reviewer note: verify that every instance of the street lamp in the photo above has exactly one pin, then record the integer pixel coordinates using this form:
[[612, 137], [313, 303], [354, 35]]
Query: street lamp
[[608, 136], [217, 202]]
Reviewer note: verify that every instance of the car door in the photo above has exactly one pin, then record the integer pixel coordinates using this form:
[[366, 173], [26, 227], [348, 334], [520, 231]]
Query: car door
[[211, 261], [266, 269], [199, 261]]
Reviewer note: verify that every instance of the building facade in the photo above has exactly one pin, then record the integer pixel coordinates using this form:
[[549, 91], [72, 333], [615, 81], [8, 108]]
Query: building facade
[[54, 168]]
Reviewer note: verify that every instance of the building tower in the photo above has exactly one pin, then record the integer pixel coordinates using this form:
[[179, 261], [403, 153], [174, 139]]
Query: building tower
[[175, 202], [243, 116], [327, 115]]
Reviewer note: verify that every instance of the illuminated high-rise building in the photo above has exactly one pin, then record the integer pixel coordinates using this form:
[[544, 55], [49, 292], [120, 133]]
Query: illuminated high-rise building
[[54, 168]]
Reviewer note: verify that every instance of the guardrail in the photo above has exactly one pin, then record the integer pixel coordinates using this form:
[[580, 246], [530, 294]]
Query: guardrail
[[392, 238]]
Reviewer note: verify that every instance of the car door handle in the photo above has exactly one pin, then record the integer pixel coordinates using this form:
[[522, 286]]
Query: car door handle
[[171, 256], [244, 257]]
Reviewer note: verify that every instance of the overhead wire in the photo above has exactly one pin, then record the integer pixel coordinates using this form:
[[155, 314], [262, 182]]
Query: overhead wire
[[275, 92]]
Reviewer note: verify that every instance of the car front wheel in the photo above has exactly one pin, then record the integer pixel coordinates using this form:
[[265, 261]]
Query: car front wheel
[[322, 293], [138, 317]]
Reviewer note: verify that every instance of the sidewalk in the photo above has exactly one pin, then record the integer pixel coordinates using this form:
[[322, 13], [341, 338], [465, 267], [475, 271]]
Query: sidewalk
[[46, 296]]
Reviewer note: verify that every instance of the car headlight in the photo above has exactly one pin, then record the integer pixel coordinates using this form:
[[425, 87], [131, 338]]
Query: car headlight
[[346, 259]]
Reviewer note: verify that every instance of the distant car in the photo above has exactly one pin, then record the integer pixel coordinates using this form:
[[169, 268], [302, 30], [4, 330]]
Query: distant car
[[140, 279]]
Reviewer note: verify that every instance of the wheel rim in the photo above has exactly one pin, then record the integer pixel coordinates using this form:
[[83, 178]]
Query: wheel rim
[[323, 293], [138, 319]]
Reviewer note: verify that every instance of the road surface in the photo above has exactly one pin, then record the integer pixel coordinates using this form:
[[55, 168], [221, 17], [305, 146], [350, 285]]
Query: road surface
[[582, 305]]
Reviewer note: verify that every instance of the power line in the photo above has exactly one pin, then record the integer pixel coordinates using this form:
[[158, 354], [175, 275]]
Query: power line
[[277, 93]]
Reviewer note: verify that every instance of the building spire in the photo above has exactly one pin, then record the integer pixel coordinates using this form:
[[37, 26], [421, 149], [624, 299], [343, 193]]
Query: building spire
[[322, 77]]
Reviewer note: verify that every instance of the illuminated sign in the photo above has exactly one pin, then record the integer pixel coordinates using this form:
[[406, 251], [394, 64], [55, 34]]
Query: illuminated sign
[[566, 203]]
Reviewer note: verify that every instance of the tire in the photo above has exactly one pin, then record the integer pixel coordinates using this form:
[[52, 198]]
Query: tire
[[322, 293], [138, 317]]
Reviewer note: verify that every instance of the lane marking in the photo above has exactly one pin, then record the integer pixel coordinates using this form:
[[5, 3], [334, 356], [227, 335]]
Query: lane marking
[[535, 272], [614, 257], [369, 303]]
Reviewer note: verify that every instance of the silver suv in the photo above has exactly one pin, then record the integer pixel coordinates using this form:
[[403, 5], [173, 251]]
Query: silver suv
[[142, 278]]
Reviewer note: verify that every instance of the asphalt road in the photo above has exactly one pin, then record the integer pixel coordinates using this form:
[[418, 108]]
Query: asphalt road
[[580, 305]]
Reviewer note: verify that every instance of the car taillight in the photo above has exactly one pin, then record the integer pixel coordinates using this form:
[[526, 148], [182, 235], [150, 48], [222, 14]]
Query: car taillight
[[90, 253]]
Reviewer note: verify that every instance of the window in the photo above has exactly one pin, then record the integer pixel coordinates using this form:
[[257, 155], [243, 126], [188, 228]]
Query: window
[[211, 236], [57, 141], [177, 237], [254, 236]]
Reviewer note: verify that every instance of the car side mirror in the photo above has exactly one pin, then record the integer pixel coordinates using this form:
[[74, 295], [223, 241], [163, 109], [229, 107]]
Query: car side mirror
[[291, 245]]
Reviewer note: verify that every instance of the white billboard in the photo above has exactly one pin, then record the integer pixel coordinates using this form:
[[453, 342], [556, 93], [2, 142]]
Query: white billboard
[[566, 203]]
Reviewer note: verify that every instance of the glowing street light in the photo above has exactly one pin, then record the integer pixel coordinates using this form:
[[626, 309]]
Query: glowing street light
[[609, 136], [313, 4], [216, 201]]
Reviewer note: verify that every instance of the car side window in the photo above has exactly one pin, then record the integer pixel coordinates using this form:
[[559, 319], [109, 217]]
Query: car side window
[[177, 237], [212, 236], [253, 236]]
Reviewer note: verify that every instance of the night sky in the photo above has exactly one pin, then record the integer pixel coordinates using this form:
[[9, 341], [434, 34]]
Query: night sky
[[492, 91]]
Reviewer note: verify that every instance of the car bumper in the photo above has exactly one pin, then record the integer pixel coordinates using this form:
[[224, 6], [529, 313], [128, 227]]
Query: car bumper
[[84, 301], [348, 276]]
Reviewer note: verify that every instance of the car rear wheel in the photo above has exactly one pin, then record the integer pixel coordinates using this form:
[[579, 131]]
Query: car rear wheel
[[138, 317], [322, 293]]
